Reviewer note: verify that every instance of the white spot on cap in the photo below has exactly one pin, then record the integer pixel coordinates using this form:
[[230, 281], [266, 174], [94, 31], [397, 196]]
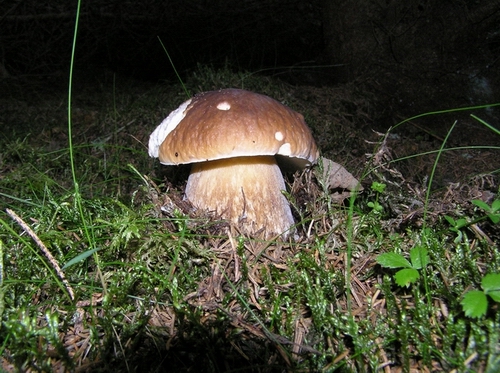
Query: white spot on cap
[[168, 125], [278, 136], [224, 105], [285, 149]]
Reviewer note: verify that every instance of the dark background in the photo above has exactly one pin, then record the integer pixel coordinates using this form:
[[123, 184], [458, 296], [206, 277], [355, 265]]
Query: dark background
[[414, 55]]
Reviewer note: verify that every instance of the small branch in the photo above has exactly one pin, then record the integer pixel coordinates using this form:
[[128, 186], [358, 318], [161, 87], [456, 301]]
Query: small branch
[[45, 251]]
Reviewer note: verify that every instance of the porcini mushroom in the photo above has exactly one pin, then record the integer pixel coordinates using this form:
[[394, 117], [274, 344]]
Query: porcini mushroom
[[232, 138]]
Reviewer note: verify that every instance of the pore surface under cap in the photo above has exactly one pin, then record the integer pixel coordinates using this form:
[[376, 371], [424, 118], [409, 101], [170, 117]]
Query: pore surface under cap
[[237, 123]]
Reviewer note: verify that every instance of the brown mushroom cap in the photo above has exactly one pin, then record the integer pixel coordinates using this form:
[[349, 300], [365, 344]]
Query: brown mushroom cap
[[232, 123], [232, 137]]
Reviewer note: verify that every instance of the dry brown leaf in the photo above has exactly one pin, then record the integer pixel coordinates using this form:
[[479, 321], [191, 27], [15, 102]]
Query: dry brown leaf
[[334, 176]]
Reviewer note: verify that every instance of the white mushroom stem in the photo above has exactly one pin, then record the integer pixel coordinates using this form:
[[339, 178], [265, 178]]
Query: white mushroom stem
[[244, 190]]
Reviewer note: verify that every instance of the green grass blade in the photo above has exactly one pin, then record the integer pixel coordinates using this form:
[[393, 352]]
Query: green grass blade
[[79, 258]]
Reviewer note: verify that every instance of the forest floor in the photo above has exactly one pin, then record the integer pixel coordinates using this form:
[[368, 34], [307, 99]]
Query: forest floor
[[158, 291]]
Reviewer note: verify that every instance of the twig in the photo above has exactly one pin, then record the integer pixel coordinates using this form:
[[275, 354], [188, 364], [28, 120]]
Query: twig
[[45, 251], [238, 322]]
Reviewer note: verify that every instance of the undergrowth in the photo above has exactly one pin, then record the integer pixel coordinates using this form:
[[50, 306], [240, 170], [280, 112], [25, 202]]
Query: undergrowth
[[120, 275], [156, 288]]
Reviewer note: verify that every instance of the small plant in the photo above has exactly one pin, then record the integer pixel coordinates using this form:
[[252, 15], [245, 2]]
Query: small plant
[[475, 302], [492, 213], [378, 188], [419, 258], [456, 227]]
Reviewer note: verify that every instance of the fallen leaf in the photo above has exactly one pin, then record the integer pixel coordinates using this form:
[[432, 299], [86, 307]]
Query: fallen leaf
[[334, 176]]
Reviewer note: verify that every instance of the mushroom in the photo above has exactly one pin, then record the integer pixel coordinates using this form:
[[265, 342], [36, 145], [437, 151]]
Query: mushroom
[[233, 137]]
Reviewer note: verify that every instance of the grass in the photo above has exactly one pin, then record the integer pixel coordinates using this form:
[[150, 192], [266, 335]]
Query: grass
[[159, 288]]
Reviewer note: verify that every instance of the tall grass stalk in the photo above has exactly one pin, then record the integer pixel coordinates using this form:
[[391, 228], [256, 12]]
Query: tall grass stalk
[[424, 219], [188, 94], [453, 110], [86, 225], [432, 174]]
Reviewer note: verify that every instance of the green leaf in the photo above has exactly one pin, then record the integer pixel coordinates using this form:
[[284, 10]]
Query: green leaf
[[459, 237], [450, 220], [406, 276], [491, 285], [80, 257], [393, 260], [456, 224], [474, 303], [492, 211], [460, 223], [495, 206], [495, 295], [495, 218], [378, 187], [481, 204], [419, 257], [377, 207]]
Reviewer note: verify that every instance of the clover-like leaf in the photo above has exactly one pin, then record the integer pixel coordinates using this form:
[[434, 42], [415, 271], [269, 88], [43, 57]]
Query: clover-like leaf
[[491, 285], [419, 257], [393, 260], [406, 276], [378, 187], [474, 303]]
